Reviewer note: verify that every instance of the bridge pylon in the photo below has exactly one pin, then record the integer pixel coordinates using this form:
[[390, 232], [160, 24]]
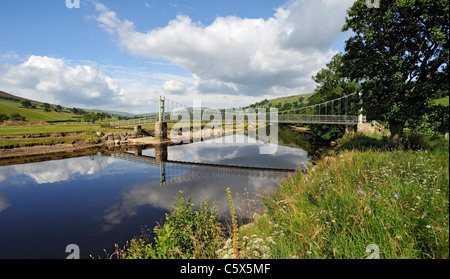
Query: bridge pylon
[[161, 125]]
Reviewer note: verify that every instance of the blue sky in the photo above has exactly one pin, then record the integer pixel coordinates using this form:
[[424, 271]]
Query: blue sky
[[120, 55]]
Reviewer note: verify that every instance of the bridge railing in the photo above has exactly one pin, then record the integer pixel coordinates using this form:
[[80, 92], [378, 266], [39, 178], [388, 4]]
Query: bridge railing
[[310, 118]]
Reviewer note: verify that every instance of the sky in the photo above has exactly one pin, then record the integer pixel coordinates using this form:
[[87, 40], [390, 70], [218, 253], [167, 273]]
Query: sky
[[121, 55]]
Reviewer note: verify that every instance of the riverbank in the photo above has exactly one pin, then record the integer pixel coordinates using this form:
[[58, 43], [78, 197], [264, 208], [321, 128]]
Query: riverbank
[[35, 139], [367, 200]]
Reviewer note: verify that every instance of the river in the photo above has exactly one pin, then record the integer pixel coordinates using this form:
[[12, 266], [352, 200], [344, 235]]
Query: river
[[98, 201]]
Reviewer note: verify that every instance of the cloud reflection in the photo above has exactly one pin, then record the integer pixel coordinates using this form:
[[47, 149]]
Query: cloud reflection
[[57, 171], [244, 191], [4, 204]]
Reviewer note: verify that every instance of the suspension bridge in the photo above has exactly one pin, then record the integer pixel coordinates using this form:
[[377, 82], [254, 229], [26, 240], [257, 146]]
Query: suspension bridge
[[345, 110], [176, 171]]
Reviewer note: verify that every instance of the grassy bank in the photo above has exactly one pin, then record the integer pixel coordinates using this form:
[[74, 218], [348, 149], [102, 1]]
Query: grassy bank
[[370, 198], [395, 200]]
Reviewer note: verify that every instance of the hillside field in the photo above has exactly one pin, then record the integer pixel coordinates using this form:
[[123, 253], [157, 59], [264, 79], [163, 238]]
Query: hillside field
[[37, 114]]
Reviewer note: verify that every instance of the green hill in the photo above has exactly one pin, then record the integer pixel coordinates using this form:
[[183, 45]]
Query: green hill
[[300, 99], [10, 104], [443, 101]]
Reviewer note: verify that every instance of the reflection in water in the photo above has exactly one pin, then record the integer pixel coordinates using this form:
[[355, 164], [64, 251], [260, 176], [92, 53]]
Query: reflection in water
[[57, 171], [3, 202], [97, 201]]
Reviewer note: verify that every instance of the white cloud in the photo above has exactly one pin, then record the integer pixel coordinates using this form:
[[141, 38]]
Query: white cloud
[[240, 55], [173, 86], [57, 82]]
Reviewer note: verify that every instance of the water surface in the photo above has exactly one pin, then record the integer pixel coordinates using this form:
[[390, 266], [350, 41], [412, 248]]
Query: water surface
[[97, 201]]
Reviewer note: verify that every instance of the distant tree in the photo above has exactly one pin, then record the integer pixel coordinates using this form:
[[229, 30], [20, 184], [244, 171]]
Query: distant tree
[[102, 115], [58, 108], [26, 104], [3, 117], [286, 106], [301, 99], [47, 106], [17, 116], [88, 117]]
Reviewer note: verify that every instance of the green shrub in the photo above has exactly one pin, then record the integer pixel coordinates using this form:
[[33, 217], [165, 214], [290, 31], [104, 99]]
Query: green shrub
[[186, 234], [3, 117], [17, 116]]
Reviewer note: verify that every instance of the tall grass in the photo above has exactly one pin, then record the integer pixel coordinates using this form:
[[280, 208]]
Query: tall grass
[[397, 200]]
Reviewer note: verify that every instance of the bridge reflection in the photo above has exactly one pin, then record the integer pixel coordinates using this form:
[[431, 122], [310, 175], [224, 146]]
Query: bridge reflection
[[175, 171]]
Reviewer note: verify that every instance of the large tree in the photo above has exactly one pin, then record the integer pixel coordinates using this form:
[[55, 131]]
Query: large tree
[[400, 53]]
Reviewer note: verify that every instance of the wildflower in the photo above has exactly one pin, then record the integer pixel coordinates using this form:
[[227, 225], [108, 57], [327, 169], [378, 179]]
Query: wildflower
[[396, 196]]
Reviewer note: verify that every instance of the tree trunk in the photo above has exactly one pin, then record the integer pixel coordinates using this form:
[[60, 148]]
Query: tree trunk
[[396, 128]]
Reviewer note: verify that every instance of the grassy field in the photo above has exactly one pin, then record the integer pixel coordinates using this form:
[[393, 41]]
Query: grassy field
[[38, 114], [442, 101], [290, 99], [88, 133]]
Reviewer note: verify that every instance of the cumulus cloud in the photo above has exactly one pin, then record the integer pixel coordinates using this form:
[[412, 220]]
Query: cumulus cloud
[[241, 55], [55, 81], [174, 86]]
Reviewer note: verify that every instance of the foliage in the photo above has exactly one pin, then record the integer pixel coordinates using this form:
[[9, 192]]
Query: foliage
[[88, 117], [186, 234], [3, 117], [47, 106], [332, 83], [26, 104], [324, 132], [17, 116], [398, 74], [434, 121]]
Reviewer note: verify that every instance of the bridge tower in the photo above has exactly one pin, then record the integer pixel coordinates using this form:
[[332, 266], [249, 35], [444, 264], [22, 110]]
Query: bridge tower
[[361, 119], [161, 125]]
